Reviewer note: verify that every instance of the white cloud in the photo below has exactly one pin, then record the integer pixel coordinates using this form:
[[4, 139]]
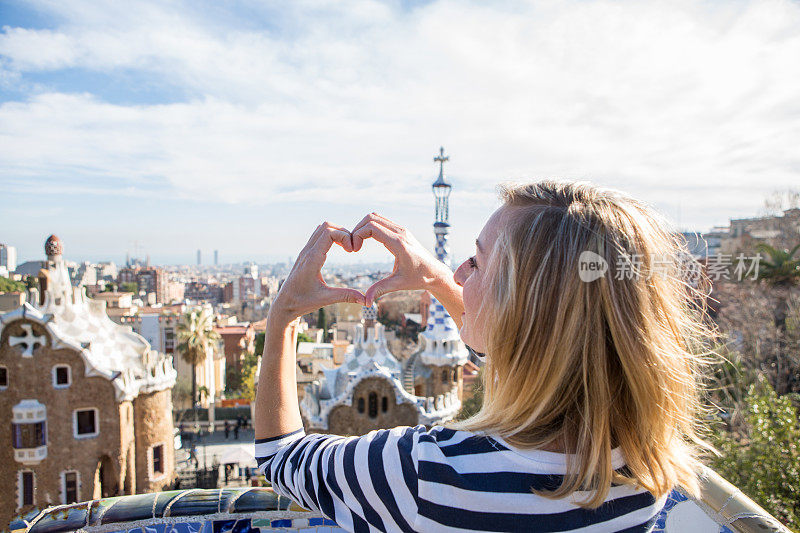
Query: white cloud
[[663, 99]]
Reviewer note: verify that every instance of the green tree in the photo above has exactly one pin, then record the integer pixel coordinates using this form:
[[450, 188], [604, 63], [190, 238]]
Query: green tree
[[781, 272], [765, 462], [322, 323], [110, 287], [303, 337], [474, 403], [259, 344], [9, 285], [196, 338], [233, 381], [130, 286], [249, 368]]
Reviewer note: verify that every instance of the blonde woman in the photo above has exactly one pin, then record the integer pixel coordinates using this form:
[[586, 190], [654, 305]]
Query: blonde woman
[[590, 339]]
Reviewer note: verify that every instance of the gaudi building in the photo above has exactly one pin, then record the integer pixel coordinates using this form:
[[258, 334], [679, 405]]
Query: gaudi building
[[87, 402]]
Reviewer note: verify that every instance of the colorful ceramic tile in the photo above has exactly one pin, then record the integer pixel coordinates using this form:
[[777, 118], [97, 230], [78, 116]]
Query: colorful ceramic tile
[[61, 519], [255, 500], [243, 526], [97, 509], [187, 527], [223, 526], [130, 508], [195, 503]]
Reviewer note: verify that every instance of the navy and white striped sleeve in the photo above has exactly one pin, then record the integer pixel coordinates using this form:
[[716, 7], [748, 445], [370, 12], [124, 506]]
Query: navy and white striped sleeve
[[358, 482]]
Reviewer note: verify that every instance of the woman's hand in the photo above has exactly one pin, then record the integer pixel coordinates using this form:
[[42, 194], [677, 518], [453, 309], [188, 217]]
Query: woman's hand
[[304, 290], [414, 266]]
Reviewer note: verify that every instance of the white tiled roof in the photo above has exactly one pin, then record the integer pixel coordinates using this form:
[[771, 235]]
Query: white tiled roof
[[109, 350]]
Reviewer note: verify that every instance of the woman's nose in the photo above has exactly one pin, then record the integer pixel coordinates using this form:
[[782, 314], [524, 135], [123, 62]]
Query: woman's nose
[[460, 274]]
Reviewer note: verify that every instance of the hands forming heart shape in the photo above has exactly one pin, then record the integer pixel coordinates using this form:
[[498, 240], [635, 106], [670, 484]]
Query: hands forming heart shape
[[304, 290]]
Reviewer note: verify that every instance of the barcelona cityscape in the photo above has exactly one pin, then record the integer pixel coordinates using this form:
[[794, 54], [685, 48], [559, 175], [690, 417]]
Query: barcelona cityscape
[[304, 266]]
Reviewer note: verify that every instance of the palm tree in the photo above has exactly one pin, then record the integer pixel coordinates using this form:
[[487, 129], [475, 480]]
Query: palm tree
[[781, 272], [196, 336]]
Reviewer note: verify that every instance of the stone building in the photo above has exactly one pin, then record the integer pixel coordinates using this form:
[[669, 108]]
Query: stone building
[[366, 391], [88, 401]]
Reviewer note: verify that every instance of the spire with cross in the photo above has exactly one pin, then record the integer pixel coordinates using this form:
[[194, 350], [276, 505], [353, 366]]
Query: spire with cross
[[441, 191], [441, 159]]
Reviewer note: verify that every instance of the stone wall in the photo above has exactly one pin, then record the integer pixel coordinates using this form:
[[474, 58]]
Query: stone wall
[[347, 420], [434, 385], [31, 378], [154, 427]]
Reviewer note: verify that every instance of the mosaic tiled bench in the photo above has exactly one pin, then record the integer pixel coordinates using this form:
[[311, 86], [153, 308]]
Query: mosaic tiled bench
[[723, 509]]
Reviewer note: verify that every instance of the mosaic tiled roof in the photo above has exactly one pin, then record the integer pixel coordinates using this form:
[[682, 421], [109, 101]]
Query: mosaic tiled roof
[[53, 246], [370, 358], [443, 345], [108, 349]]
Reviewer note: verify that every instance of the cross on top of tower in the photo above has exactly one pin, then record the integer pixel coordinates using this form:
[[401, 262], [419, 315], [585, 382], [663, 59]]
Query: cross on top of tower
[[441, 158]]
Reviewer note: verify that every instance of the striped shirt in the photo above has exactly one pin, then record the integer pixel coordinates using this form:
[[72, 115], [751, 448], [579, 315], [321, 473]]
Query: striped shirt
[[439, 479]]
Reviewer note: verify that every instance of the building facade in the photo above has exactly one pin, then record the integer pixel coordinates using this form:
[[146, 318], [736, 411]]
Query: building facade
[[149, 279], [89, 401], [8, 257], [236, 340]]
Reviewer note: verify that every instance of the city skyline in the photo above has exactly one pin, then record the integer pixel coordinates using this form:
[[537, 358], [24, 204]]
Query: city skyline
[[239, 129]]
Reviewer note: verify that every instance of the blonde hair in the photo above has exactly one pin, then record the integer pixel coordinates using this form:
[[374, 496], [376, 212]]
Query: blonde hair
[[592, 365]]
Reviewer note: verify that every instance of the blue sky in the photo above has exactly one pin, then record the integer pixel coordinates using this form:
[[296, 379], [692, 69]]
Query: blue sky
[[240, 126]]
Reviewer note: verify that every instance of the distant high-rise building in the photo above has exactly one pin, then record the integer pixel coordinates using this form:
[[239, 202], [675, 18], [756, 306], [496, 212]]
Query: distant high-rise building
[[216, 257], [8, 257], [199, 258], [150, 280]]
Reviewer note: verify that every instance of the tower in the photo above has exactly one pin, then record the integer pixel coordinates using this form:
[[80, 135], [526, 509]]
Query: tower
[[216, 257], [435, 370], [441, 227], [199, 258]]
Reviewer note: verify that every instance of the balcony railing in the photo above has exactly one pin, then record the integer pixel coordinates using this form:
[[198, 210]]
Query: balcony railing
[[722, 508]]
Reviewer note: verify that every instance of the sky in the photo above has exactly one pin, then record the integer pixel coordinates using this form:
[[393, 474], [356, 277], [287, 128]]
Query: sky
[[161, 128]]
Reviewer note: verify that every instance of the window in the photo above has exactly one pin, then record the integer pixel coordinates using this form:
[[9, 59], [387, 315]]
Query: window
[[373, 405], [29, 435], [85, 423], [169, 340], [158, 459], [361, 405], [3, 377], [25, 488], [384, 404], [444, 375], [62, 376], [70, 487]]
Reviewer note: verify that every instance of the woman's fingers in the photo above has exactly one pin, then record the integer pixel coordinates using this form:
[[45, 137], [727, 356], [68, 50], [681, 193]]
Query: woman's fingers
[[380, 233], [338, 235], [334, 295], [383, 286], [375, 218]]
